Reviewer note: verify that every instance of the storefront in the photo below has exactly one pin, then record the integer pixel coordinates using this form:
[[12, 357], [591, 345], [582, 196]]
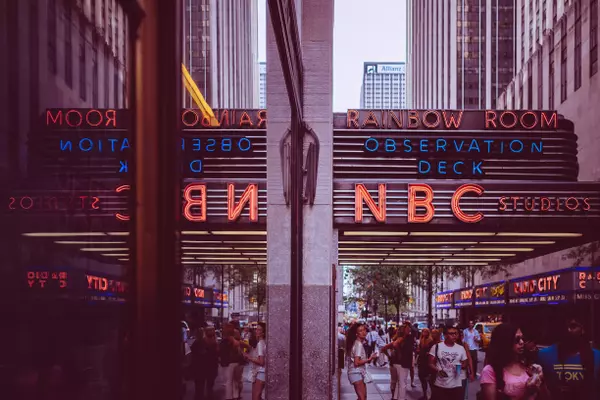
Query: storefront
[[539, 304]]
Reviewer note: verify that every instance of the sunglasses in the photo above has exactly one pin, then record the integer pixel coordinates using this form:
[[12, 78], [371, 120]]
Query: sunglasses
[[519, 338]]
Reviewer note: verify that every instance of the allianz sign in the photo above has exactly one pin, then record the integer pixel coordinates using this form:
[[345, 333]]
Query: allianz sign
[[390, 68]]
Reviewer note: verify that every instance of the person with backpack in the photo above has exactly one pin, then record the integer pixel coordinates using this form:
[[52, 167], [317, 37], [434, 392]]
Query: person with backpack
[[427, 340], [446, 360]]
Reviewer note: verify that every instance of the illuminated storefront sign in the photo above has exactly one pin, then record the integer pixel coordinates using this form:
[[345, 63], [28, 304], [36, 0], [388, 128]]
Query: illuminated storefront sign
[[555, 287], [444, 299], [421, 207], [463, 298], [490, 295], [47, 280]]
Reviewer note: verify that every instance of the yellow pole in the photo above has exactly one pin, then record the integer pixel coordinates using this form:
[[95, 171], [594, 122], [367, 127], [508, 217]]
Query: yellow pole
[[193, 90]]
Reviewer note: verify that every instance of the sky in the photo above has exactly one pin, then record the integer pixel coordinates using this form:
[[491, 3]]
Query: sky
[[376, 32]]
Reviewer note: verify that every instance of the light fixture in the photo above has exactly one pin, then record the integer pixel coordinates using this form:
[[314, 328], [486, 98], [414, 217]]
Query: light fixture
[[429, 249], [541, 234], [206, 248], [414, 259], [441, 233], [123, 259], [115, 255], [374, 233], [195, 233], [62, 234], [462, 263], [366, 248], [370, 242], [117, 233], [455, 243], [520, 242], [486, 254], [83, 242], [473, 259], [255, 233], [104, 249], [501, 249]]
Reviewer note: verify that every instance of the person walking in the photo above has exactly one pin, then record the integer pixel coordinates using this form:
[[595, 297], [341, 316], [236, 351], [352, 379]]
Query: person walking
[[571, 366], [382, 340], [258, 358], [205, 362], [467, 373], [403, 359], [390, 353], [446, 360], [357, 360], [473, 340], [424, 346], [371, 341], [507, 376], [231, 355]]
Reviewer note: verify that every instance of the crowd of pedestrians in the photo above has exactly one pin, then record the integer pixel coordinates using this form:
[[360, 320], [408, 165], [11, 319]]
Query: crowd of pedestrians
[[447, 359], [235, 350]]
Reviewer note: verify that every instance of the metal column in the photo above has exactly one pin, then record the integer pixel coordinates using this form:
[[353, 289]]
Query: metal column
[[156, 337]]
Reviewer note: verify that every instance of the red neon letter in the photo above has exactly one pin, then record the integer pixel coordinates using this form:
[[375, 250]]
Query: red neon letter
[[250, 195], [188, 202], [426, 202], [54, 120], [352, 119], [362, 194], [119, 216], [460, 192]]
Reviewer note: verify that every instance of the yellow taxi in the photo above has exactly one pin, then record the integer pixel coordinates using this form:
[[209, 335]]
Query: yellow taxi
[[485, 330]]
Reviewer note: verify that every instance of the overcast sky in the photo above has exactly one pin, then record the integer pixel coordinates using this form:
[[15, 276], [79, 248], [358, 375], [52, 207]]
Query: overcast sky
[[376, 32]]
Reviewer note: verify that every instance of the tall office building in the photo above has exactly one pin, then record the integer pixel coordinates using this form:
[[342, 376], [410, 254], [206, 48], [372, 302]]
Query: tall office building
[[558, 61], [221, 51], [383, 86], [59, 54], [262, 85], [460, 52]]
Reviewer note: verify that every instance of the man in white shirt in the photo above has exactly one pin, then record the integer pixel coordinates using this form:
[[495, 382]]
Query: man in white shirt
[[473, 340], [371, 340], [446, 359]]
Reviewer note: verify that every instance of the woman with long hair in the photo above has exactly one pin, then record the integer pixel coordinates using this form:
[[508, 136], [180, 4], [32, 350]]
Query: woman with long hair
[[356, 359], [506, 376], [402, 358], [423, 348], [382, 340], [258, 358]]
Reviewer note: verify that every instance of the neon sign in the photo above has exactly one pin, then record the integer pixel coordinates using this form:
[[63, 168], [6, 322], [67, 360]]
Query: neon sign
[[420, 196], [544, 204], [46, 279], [444, 300], [53, 203]]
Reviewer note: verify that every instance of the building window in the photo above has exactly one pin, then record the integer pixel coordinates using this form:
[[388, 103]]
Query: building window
[[593, 37], [51, 26], [93, 13], [68, 46], [551, 75], [563, 59], [540, 74], [554, 13], [107, 57], [82, 69], [95, 73], [116, 83], [529, 87], [577, 46]]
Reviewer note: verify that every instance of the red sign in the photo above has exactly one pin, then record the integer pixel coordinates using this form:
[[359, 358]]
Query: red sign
[[45, 279]]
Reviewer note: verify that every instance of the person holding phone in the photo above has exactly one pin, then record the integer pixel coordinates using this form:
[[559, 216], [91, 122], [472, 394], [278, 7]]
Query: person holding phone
[[446, 360]]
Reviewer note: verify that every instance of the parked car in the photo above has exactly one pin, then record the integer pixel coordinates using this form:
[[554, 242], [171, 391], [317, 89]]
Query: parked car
[[485, 330]]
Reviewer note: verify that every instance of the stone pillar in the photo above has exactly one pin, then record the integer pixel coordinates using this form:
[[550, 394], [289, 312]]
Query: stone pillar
[[320, 252], [278, 230]]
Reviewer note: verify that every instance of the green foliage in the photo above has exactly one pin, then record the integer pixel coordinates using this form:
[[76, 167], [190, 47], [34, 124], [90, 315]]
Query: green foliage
[[587, 253], [254, 279]]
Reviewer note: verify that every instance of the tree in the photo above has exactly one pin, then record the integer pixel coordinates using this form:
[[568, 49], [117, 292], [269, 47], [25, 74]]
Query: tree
[[254, 279], [381, 283]]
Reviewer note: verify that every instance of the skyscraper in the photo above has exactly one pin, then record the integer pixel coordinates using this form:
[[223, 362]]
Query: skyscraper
[[384, 85], [262, 85], [460, 52], [221, 51]]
